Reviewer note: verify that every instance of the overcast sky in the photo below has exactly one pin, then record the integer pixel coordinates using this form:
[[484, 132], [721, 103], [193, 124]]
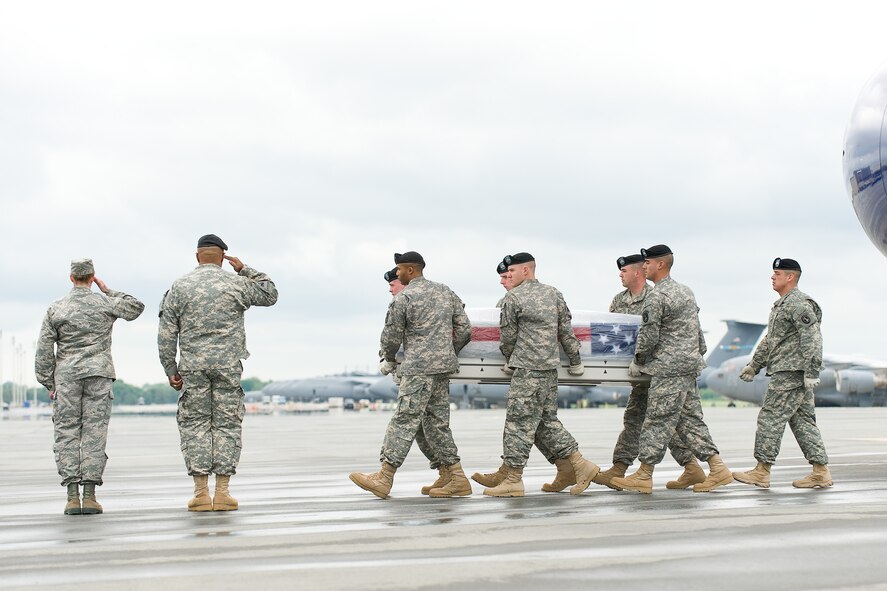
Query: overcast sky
[[319, 138]]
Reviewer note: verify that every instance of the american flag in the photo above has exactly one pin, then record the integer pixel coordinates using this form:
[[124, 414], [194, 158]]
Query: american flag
[[613, 340]]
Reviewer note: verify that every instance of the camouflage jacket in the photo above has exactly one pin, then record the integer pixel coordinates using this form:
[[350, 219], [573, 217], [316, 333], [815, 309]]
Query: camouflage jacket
[[429, 320], [793, 341], [625, 303], [534, 318], [670, 339], [75, 338], [202, 313]]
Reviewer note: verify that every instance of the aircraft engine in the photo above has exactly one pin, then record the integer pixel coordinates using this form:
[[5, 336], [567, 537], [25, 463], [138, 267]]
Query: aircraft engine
[[865, 158], [851, 381]]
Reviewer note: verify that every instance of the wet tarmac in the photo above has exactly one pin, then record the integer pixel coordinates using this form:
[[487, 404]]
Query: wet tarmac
[[304, 525]]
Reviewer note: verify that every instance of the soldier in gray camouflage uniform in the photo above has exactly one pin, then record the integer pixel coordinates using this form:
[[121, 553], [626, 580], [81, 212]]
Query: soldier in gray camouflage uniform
[[565, 475], [74, 363], [792, 353], [202, 316], [670, 349], [429, 320], [394, 288], [533, 320], [631, 301]]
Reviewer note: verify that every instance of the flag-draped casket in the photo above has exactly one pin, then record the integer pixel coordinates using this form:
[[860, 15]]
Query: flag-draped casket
[[607, 342]]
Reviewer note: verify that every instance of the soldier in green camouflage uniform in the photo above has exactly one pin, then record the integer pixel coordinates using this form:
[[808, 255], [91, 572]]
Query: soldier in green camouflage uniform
[[74, 363], [565, 475], [394, 288], [670, 347], [533, 321], [631, 301], [429, 320], [792, 353], [202, 316]]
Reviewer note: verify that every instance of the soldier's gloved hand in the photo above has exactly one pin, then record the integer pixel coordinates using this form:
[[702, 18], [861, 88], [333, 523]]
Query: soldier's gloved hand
[[507, 370], [576, 370], [395, 378], [634, 370], [748, 373], [386, 367], [810, 383]]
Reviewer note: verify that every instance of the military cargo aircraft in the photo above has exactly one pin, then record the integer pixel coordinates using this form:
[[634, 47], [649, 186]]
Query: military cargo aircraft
[[845, 381]]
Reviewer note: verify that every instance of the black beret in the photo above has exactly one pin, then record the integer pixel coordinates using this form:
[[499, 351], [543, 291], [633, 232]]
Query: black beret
[[211, 240], [654, 252], [501, 268], [786, 264], [390, 275], [409, 257], [518, 259], [629, 260]]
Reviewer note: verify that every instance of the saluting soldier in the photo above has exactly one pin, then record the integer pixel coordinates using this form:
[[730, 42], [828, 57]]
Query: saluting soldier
[[202, 316], [429, 320], [631, 301], [792, 353], [74, 363], [534, 321], [670, 349]]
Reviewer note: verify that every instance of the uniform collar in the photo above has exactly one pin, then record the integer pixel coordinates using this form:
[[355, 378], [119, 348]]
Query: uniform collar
[[782, 299]]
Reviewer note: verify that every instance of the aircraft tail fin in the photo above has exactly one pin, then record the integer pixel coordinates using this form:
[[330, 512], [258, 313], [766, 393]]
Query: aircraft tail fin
[[739, 340]]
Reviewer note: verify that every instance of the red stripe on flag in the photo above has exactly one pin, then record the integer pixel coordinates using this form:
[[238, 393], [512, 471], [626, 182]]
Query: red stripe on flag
[[491, 333]]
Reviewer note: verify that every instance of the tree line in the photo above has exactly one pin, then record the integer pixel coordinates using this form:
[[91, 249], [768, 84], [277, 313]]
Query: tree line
[[126, 393]]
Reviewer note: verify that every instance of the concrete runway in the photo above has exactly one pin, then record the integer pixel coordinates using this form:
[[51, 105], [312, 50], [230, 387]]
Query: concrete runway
[[303, 524]]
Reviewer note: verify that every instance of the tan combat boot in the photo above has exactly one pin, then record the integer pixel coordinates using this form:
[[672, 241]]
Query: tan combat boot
[[458, 486], [565, 477], [379, 483], [605, 477], [819, 478], [90, 505], [692, 474], [222, 500], [201, 500], [511, 486], [441, 481], [760, 476], [491, 479], [585, 472], [73, 505], [641, 481], [718, 475]]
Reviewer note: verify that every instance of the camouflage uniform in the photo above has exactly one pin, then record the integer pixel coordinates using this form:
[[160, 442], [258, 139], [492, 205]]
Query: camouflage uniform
[[74, 359], [627, 445], [534, 318], [540, 445], [202, 314], [791, 350], [429, 320], [670, 349]]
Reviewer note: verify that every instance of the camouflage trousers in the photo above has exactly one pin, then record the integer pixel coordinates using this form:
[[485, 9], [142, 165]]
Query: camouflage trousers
[[531, 418], [787, 401], [210, 418], [421, 441], [673, 407], [423, 403], [629, 440], [80, 417]]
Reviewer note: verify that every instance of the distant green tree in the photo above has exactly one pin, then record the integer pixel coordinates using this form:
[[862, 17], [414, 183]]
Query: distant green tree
[[253, 384]]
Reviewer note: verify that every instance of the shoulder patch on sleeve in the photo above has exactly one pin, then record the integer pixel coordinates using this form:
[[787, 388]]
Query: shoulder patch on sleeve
[[806, 318]]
